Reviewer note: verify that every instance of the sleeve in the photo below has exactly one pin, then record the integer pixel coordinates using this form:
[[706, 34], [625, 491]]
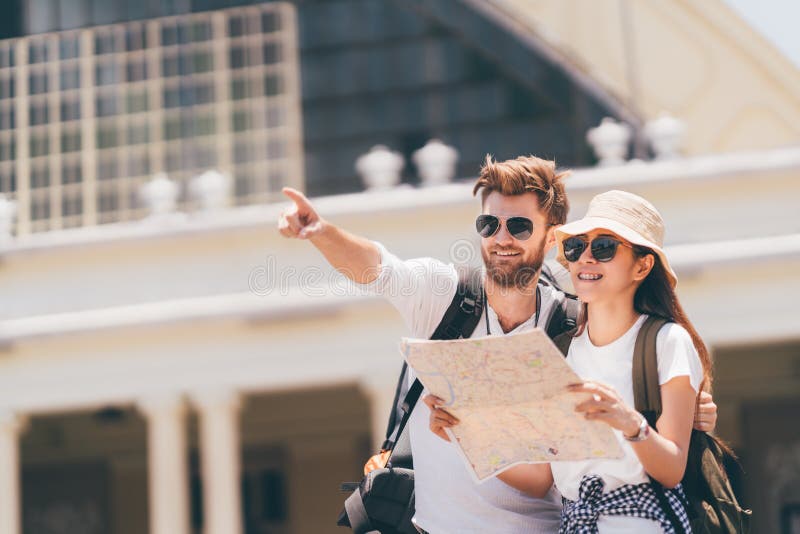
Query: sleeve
[[420, 289], [677, 356]]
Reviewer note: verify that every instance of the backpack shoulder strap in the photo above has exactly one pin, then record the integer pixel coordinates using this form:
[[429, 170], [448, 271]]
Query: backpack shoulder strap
[[563, 319], [564, 316], [458, 321], [465, 310], [646, 389]]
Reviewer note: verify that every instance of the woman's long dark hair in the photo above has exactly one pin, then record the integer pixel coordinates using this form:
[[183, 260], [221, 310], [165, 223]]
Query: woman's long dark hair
[[656, 296]]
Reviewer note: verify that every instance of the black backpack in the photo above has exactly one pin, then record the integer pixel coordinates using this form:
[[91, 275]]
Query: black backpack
[[384, 499], [711, 504]]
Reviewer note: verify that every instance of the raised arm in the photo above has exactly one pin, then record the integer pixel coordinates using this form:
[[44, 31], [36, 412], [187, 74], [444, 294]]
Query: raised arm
[[355, 257]]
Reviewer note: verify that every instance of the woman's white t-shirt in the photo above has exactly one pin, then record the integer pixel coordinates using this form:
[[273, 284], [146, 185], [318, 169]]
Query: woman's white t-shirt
[[612, 364]]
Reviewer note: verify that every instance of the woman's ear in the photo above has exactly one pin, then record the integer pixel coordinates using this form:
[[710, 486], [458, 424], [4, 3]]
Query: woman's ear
[[644, 265]]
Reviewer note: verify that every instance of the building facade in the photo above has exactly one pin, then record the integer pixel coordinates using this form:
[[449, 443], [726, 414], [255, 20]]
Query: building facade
[[187, 370]]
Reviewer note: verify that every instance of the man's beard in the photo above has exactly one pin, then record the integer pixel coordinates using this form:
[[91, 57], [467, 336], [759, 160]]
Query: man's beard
[[518, 276]]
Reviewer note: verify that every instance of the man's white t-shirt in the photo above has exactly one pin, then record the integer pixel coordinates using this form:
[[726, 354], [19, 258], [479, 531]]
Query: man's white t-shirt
[[447, 500], [613, 365]]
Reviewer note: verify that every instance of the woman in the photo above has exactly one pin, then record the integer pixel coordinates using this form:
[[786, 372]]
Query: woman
[[621, 274]]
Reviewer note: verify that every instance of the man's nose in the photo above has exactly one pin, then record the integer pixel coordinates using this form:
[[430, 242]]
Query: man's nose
[[503, 236]]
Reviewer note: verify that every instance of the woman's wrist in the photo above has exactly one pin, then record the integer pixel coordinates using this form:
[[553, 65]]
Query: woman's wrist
[[633, 427]]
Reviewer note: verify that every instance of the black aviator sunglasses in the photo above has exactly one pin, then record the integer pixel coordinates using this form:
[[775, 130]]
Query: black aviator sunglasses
[[520, 228], [603, 248]]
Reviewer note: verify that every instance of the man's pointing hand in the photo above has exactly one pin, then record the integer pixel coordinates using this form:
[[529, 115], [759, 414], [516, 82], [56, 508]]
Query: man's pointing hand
[[300, 220]]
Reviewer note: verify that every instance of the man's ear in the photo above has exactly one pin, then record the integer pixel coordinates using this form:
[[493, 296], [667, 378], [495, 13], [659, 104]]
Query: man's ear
[[550, 240], [643, 267]]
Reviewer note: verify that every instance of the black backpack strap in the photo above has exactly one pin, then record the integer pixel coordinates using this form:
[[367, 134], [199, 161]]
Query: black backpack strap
[[465, 310], [563, 320], [458, 321]]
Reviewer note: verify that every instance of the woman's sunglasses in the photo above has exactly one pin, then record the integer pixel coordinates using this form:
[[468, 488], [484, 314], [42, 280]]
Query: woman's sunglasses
[[603, 248], [520, 228]]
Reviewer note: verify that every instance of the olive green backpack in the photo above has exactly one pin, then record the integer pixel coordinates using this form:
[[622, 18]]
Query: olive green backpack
[[711, 503]]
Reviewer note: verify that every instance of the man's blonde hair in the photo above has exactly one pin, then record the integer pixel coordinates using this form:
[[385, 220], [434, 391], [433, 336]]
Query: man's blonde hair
[[526, 174]]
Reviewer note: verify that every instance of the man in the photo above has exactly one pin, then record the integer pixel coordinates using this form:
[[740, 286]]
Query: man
[[523, 201]]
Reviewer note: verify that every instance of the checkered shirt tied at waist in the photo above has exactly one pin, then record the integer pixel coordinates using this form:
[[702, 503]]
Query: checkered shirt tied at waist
[[633, 500]]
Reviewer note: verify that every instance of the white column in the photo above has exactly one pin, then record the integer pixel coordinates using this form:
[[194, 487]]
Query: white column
[[220, 460], [167, 464], [10, 503]]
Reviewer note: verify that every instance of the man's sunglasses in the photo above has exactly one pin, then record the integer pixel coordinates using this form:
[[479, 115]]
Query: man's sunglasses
[[520, 228], [603, 248]]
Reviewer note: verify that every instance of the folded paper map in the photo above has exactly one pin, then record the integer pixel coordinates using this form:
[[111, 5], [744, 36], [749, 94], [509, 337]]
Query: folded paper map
[[509, 393]]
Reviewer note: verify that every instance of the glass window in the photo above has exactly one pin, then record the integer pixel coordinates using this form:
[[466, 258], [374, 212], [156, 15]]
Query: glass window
[[70, 110], [172, 128], [201, 125], [71, 205], [70, 78], [69, 46], [107, 136], [237, 57], [71, 141], [236, 26], [138, 164], [135, 38], [136, 70], [104, 42], [107, 168], [8, 180], [273, 85], [171, 98], [106, 74], [202, 62], [39, 145], [174, 160], [40, 176], [270, 22], [106, 105], [70, 172], [169, 34], [203, 94], [6, 56], [240, 89], [37, 52], [169, 66], [38, 113], [275, 117], [108, 200], [201, 31], [7, 119], [8, 150], [272, 53], [37, 83], [136, 101], [243, 152], [138, 134], [242, 121], [40, 209], [276, 149], [7, 87]]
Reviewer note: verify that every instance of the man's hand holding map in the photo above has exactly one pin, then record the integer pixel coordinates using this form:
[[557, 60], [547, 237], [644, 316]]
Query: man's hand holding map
[[509, 393]]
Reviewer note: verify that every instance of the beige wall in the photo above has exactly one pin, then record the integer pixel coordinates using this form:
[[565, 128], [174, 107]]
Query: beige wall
[[695, 59]]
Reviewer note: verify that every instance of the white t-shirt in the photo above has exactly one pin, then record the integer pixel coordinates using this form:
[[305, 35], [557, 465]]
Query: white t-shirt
[[613, 365], [447, 500]]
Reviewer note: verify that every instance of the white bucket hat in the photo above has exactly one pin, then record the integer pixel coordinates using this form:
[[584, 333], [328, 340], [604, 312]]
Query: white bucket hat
[[629, 216]]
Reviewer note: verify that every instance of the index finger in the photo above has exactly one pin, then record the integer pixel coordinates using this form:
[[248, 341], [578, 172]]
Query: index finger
[[432, 401], [589, 387], [297, 197]]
